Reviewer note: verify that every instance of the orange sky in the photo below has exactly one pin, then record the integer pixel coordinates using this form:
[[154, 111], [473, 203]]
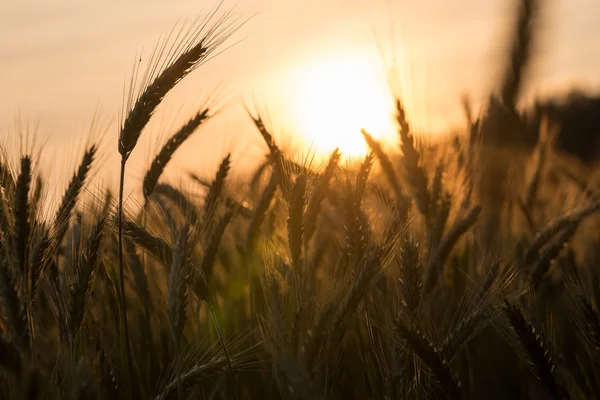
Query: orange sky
[[62, 60]]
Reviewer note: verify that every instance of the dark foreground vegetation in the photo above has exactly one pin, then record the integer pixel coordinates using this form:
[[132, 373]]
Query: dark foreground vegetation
[[465, 270]]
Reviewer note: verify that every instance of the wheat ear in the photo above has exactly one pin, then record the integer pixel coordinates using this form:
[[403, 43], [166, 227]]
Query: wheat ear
[[436, 261], [170, 147], [535, 347], [431, 357], [214, 193], [177, 286], [82, 284], [414, 173]]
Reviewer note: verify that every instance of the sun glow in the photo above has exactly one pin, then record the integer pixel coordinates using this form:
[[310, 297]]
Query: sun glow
[[338, 97]]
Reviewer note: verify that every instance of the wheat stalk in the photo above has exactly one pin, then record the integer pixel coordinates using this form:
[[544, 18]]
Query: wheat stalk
[[187, 55]]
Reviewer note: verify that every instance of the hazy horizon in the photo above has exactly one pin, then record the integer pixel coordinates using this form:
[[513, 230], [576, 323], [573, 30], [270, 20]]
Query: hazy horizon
[[64, 62]]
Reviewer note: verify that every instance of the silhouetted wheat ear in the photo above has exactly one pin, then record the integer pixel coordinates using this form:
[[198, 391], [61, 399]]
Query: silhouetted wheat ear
[[210, 256], [260, 212], [430, 355], [554, 227], [230, 202], [81, 286], [107, 203], [319, 192], [363, 175], [259, 173], [357, 233], [279, 163], [185, 56], [488, 281], [386, 165], [178, 198], [551, 252], [163, 157], [466, 329], [438, 217], [413, 172], [154, 245], [295, 223], [21, 217], [214, 193], [297, 169], [439, 209], [69, 200], [437, 260], [177, 285], [411, 282], [384, 197], [535, 348]]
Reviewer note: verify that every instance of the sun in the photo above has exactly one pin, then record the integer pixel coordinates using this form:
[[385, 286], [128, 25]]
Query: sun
[[336, 98]]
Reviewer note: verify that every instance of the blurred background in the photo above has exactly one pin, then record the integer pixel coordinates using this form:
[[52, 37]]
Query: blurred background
[[307, 64]]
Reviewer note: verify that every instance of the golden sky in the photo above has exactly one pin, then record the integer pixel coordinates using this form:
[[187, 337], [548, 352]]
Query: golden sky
[[63, 61]]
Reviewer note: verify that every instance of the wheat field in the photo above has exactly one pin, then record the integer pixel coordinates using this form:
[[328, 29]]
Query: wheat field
[[463, 269]]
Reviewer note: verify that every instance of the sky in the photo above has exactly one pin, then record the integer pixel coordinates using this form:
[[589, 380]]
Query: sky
[[305, 64]]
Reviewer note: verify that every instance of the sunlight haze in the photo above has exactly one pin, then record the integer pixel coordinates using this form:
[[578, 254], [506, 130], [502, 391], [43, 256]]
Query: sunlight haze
[[319, 69]]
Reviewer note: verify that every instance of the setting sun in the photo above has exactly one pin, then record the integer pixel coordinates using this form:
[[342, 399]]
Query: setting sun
[[335, 99]]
